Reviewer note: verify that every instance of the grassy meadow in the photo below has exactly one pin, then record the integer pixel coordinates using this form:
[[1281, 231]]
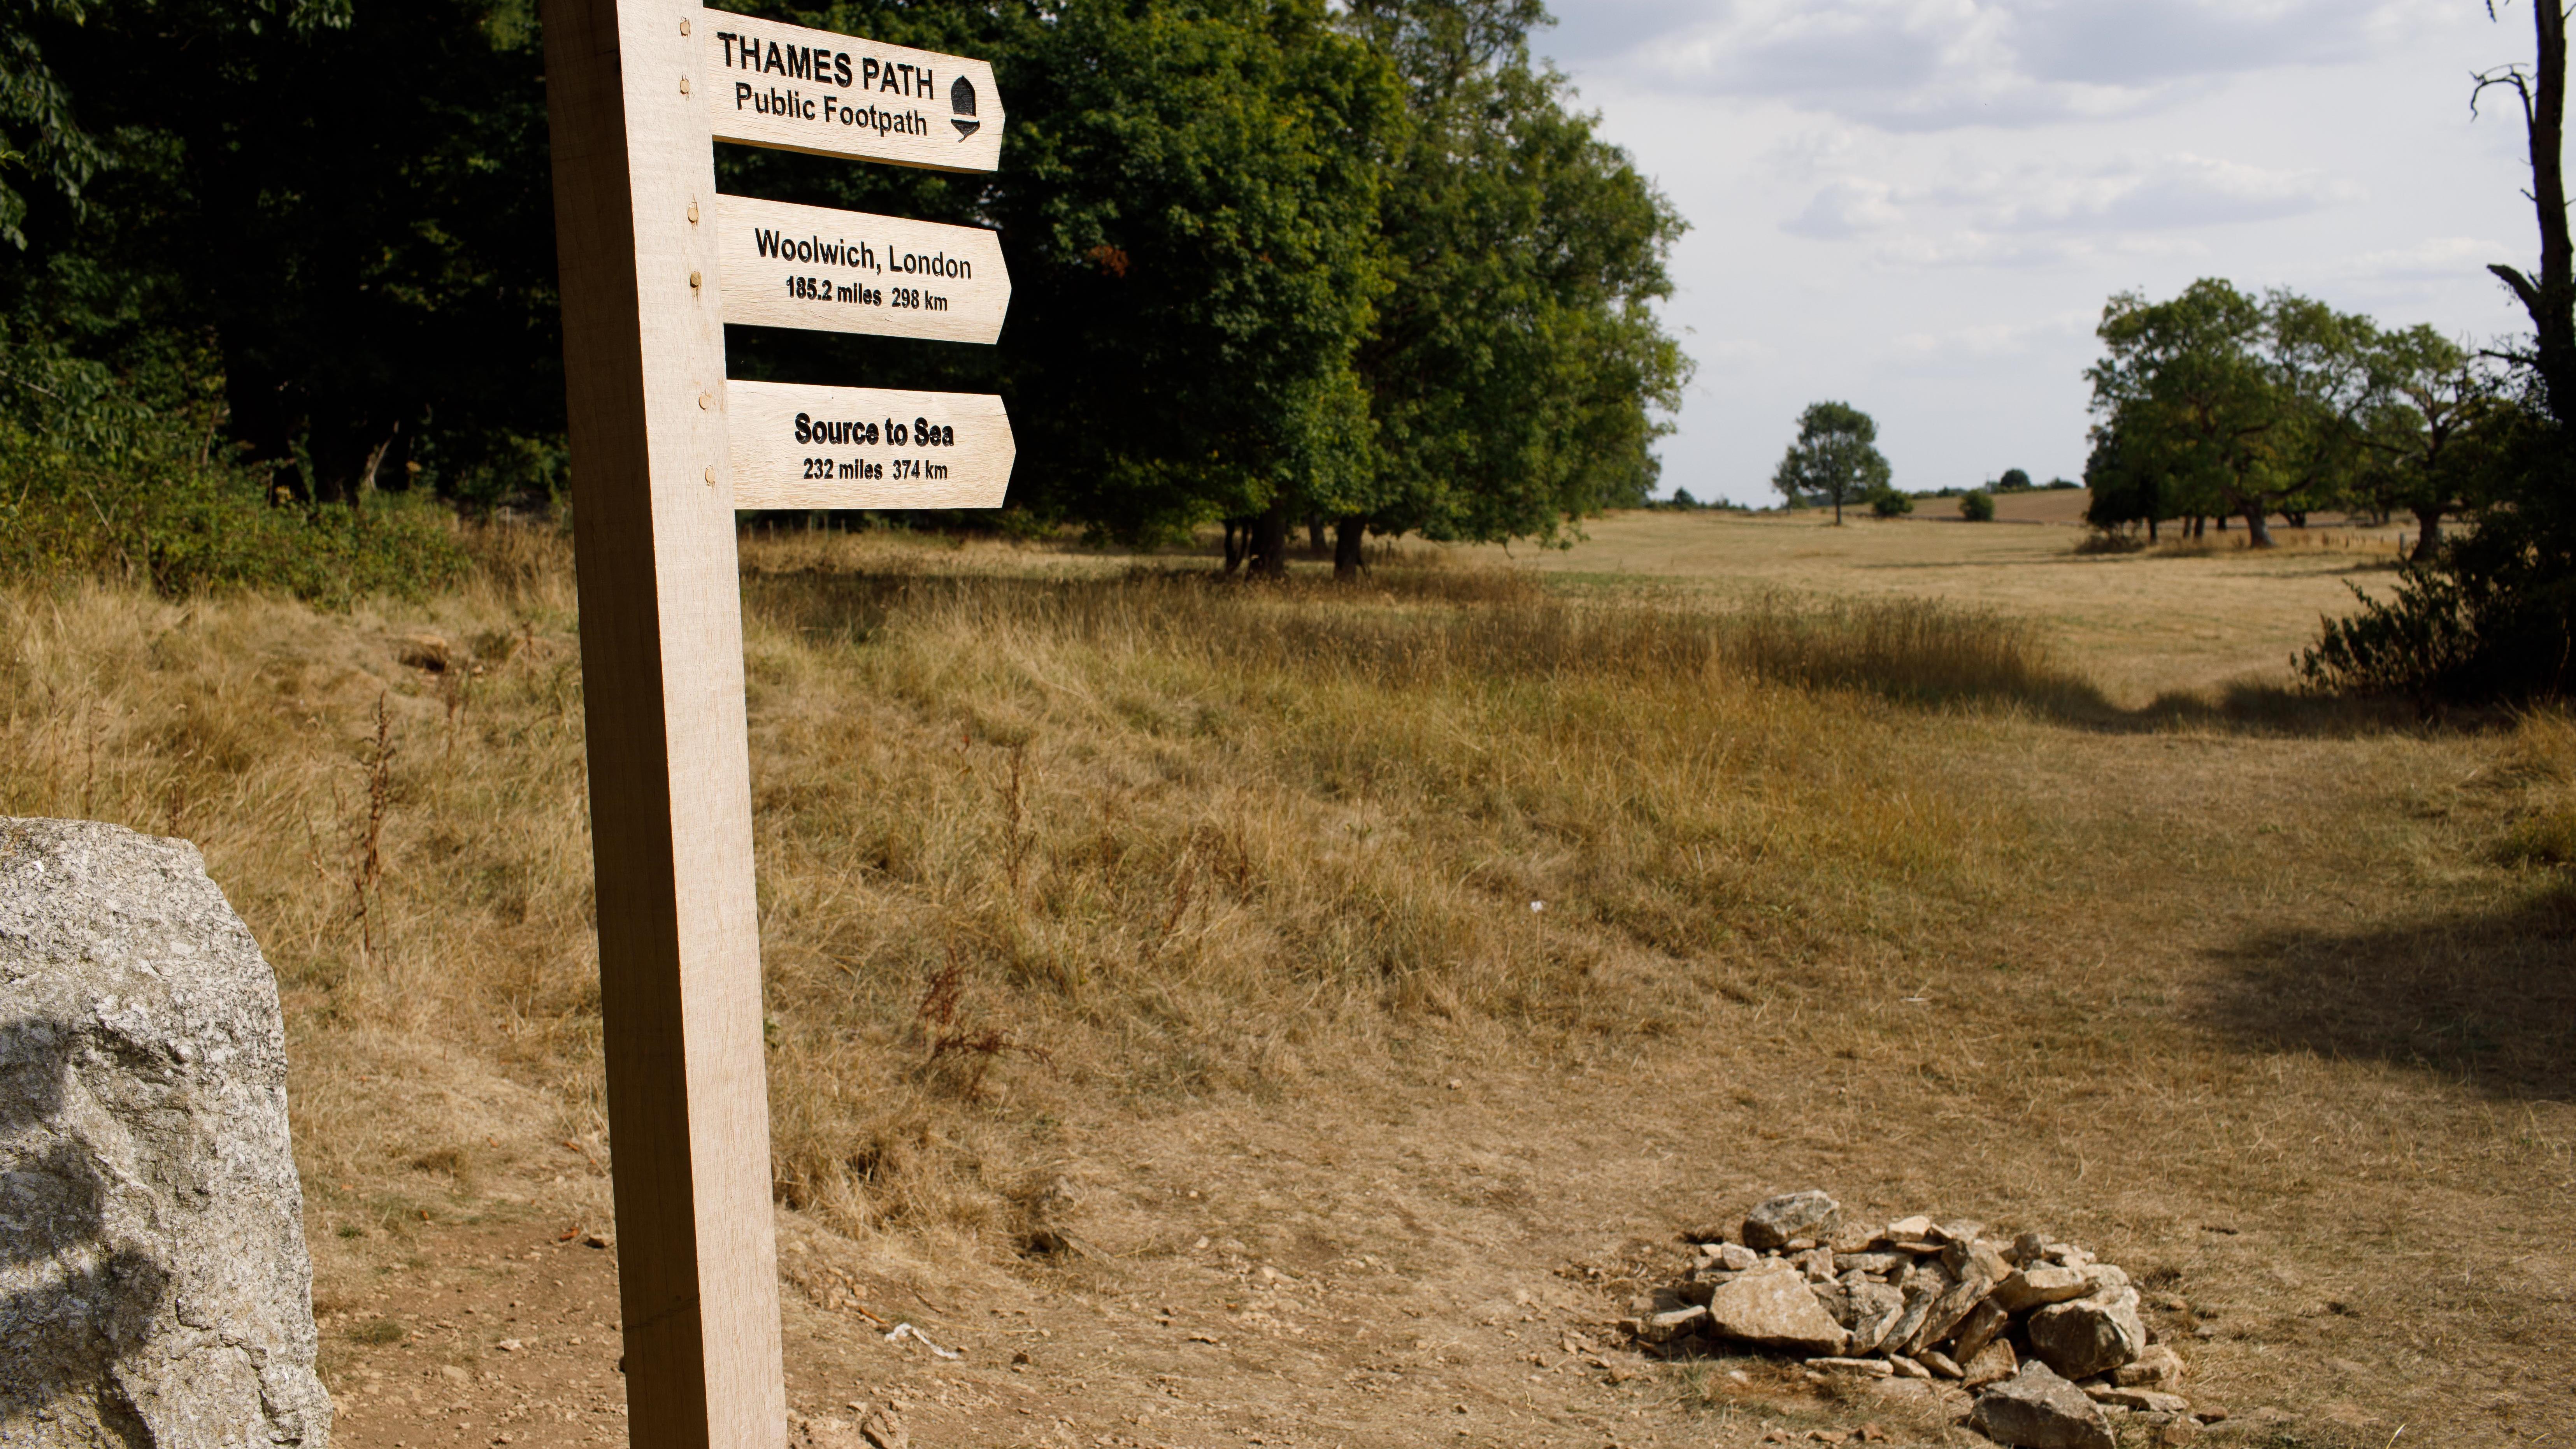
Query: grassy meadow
[[1338, 963]]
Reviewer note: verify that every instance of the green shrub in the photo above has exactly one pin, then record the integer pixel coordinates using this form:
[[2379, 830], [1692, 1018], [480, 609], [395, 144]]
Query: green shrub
[[1977, 506], [96, 479], [182, 528], [1886, 502]]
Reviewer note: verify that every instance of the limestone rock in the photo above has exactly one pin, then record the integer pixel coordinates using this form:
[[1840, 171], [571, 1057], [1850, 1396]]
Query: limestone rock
[[2157, 1368], [1922, 1292], [1809, 1215], [2036, 1409], [1983, 1325], [1952, 1308], [1736, 1258], [154, 1286], [1993, 1364], [2036, 1287], [1774, 1310], [2144, 1399], [2089, 1335], [884, 1429], [1677, 1323], [1876, 1311]]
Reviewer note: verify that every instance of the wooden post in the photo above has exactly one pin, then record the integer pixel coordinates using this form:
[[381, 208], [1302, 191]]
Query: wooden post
[[670, 797]]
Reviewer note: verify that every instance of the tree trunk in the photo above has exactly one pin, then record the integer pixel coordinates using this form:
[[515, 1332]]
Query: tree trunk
[[1838, 508], [2258, 532], [1268, 558], [1348, 535], [1315, 535], [1237, 536], [2222, 523], [2151, 528], [265, 423], [2428, 540], [2550, 299]]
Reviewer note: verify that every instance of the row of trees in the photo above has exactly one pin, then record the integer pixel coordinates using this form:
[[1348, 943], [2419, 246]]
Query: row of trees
[[1274, 261], [2215, 403]]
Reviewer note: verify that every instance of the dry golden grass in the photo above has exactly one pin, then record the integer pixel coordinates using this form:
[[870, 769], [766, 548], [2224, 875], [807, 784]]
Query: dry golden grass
[[1198, 918], [2141, 625]]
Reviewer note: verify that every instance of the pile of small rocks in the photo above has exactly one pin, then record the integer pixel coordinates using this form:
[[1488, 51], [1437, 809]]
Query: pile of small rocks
[[2049, 1342]]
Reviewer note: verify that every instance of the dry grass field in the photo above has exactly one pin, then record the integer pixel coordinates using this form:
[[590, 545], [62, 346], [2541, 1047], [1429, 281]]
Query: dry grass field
[[1305, 1016]]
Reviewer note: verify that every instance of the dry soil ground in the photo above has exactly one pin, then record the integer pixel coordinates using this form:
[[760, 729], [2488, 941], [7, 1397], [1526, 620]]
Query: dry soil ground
[[2253, 1006]]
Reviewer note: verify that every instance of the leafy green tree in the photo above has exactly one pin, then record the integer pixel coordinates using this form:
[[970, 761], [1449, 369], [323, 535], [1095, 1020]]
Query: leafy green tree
[[2223, 403], [1886, 502], [1977, 506], [1515, 368], [364, 278], [2437, 437], [1834, 457], [2013, 481]]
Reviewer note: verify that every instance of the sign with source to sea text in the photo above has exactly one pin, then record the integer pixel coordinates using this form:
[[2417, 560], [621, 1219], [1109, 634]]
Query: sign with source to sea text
[[795, 445]]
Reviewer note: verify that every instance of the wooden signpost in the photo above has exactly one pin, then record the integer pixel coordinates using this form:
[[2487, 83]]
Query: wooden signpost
[[664, 449]]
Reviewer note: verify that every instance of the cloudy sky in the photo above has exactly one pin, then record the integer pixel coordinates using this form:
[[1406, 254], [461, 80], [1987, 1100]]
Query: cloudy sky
[[1919, 206]]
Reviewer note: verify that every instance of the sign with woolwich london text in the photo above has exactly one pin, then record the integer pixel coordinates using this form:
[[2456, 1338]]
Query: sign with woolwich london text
[[800, 446], [783, 265], [795, 89]]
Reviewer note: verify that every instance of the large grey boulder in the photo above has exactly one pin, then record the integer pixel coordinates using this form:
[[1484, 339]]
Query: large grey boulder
[[154, 1288]]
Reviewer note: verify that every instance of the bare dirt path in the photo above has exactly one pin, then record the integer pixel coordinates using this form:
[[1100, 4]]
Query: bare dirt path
[[2334, 1124]]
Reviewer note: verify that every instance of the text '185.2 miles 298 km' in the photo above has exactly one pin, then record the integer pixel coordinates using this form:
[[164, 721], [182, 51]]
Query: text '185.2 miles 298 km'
[[783, 265]]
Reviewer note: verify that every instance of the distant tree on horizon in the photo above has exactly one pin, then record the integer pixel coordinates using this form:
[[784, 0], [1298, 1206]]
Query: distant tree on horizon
[[1835, 457]]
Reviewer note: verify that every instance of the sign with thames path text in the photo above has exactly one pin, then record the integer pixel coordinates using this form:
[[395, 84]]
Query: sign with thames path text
[[783, 265], [800, 446], [795, 89]]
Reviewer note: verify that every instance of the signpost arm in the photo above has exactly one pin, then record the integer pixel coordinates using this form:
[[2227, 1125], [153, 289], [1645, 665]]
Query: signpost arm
[[661, 637]]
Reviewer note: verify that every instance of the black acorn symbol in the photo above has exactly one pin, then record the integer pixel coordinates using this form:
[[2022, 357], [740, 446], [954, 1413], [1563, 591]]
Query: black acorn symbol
[[961, 99]]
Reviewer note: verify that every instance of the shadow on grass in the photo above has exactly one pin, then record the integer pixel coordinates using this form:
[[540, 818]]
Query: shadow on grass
[[2486, 997], [1404, 627]]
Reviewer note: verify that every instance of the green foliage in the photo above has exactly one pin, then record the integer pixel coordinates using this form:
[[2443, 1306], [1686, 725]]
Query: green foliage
[[2492, 615], [1886, 502], [1516, 364], [2219, 403], [373, 267], [1977, 506], [97, 480], [1834, 457], [1270, 257], [2013, 481]]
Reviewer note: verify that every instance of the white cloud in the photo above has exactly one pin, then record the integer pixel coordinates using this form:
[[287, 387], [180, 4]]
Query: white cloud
[[2441, 258], [1939, 64], [2148, 192], [1921, 205], [1991, 341], [1847, 206]]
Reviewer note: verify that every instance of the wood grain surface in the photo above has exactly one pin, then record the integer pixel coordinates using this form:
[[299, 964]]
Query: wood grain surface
[[662, 687], [784, 265], [799, 446]]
